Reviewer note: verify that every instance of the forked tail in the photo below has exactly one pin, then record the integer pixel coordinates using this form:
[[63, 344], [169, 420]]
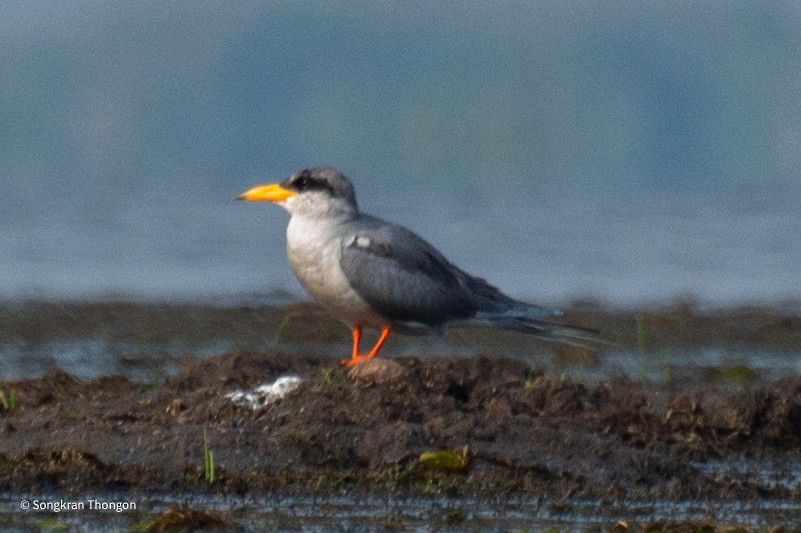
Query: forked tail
[[572, 335]]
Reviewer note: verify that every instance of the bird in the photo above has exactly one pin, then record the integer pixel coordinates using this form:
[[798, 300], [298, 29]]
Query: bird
[[371, 273]]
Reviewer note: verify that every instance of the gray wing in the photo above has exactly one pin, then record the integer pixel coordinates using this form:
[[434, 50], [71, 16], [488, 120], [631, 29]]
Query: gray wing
[[407, 280], [401, 276]]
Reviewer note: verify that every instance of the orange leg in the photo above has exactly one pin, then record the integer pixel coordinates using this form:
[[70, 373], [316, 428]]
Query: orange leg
[[385, 333], [357, 358], [357, 340]]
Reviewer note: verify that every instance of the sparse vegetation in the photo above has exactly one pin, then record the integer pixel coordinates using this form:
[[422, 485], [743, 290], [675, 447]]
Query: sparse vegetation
[[279, 331], [52, 524], [667, 367], [734, 374], [640, 321], [8, 400], [208, 459], [532, 375], [327, 373], [76, 413]]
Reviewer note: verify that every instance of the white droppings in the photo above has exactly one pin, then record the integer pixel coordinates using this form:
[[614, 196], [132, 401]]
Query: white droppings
[[266, 393]]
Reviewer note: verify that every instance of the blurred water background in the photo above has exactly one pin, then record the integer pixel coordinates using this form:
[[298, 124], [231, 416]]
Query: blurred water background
[[630, 152]]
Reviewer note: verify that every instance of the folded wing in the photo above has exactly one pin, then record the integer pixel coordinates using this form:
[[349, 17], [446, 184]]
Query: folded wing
[[407, 280]]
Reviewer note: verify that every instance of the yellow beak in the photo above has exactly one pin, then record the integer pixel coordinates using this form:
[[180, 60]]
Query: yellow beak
[[267, 193]]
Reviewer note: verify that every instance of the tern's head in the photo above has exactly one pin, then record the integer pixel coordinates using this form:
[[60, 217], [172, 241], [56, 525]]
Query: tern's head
[[312, 192]]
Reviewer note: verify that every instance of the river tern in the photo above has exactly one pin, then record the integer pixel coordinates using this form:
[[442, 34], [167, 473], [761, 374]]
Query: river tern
[[372, 273]]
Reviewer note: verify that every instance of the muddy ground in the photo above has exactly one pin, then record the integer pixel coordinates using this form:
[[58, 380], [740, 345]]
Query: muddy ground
[[502, 425]]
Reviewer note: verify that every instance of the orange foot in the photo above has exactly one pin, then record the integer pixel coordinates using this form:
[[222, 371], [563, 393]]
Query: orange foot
[[356, 358]]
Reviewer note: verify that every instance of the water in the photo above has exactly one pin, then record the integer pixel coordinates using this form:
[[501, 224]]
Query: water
[[543, 248], [152, 361], [646, 152], [365, 512]]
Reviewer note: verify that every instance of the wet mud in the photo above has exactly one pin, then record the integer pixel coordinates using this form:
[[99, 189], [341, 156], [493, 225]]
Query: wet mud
[[485, 425]]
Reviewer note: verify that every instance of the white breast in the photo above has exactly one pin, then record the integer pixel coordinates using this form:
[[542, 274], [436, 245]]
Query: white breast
[[314, 249]]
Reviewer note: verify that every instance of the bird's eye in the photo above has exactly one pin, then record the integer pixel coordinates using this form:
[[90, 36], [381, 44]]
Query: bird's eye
[[305, 181]]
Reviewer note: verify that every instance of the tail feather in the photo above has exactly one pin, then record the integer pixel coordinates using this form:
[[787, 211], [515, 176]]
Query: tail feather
[[572, 335], [542, 329], [496, 309]]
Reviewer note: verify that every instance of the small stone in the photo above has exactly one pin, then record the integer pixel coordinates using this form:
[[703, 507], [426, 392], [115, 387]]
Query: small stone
[[379, 372], [175, 407]]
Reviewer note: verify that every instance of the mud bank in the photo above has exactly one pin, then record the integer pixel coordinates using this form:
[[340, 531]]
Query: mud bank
[[517, 430], [496, 427]]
